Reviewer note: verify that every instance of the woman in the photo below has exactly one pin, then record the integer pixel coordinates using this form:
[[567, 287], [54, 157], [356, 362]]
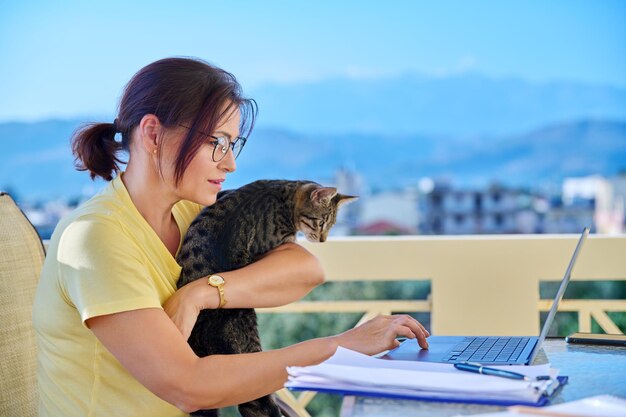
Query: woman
[[111, 326]]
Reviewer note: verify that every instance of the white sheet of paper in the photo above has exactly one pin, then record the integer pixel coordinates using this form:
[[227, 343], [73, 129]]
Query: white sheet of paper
[[351, 369], [597, 406], [411, 379]]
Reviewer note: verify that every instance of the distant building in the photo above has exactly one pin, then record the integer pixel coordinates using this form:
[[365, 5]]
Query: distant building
[[591, 200], [569, 216], [383, 228], [390, 212], [495, 210], [619, 197], [350, 183]]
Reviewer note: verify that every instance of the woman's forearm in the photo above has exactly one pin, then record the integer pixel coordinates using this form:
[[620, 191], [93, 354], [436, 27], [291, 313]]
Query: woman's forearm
[[263, 373], [283, 276], [151, 348]]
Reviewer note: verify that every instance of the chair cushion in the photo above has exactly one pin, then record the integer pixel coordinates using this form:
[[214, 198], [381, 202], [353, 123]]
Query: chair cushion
[[21, 259]]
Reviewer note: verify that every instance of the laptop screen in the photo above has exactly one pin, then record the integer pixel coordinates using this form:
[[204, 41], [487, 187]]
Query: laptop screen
[[559, 295]]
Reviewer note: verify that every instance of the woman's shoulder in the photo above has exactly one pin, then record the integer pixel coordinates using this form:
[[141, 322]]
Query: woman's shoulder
[[100, 216], [87, 225]]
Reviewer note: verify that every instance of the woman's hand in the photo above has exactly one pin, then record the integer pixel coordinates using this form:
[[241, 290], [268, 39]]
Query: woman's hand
[[185, 304], [379, 334]]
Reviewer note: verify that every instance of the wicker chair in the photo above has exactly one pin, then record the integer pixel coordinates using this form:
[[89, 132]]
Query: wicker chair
[[21, 258]]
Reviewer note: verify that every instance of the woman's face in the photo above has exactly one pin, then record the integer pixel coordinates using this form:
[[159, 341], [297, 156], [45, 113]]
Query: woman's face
[[203, 177]]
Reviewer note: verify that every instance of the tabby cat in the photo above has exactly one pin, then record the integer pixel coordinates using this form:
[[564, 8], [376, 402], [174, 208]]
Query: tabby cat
[[240, 227]]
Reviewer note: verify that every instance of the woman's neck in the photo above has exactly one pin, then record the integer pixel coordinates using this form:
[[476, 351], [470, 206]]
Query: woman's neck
[[151, 198]]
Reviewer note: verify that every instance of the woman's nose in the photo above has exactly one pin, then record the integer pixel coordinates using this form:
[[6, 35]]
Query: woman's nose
[[228, 162]]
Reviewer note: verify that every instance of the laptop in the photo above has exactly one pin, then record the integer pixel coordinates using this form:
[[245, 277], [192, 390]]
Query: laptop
[[486, 350]]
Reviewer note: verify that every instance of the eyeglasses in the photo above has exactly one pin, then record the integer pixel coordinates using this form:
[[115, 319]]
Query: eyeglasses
[[221, 144]]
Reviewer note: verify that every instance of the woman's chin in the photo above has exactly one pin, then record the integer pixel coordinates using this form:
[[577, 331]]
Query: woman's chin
[[206, 200]]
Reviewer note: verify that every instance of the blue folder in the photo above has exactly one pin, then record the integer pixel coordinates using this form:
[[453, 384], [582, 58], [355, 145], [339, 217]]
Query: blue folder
[[543, 400]]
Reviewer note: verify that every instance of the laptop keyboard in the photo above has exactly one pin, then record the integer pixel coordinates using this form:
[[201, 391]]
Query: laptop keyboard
[[488, 349]]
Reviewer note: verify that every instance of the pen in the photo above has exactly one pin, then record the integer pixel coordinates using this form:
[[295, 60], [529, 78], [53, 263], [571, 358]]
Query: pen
[[479, 369]]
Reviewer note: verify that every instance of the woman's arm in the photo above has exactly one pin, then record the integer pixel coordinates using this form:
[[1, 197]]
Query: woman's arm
[[284, 275], [148, 344]]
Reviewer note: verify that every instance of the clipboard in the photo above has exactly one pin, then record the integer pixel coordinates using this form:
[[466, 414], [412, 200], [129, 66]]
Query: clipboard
[[445, 398]]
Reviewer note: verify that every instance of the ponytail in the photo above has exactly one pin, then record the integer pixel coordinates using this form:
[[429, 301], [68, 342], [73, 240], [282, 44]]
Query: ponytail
[[95, 149]]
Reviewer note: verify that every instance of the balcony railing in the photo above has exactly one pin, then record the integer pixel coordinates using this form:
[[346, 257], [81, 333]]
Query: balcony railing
[[480, 285]]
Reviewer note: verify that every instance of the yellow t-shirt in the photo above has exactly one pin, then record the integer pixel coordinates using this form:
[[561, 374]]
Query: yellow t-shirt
[[103, 258]]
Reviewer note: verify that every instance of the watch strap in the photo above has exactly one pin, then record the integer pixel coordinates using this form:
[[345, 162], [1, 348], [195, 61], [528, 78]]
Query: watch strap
[[220, 289]]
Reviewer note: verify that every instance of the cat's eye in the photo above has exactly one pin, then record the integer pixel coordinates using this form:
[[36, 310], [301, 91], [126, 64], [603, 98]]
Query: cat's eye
[[312, 222]]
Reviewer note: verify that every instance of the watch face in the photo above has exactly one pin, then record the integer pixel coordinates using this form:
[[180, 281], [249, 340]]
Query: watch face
[[216, 280]]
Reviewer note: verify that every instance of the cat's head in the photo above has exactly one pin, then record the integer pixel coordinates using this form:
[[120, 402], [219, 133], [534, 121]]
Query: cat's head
[[316, 210]]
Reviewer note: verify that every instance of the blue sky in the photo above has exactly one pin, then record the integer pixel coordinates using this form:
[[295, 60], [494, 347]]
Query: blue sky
[[63, 59]]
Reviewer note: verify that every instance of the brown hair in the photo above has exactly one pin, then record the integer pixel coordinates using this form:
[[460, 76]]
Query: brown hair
[[178, 91]]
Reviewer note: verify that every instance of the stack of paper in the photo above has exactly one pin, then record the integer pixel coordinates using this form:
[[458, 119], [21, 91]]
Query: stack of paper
[[349, 372], [597, 406]]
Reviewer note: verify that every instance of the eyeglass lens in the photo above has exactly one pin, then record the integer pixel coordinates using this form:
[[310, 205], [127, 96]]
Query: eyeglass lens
[[221, 148]]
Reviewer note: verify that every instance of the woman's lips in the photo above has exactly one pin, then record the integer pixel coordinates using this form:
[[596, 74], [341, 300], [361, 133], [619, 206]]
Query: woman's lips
[[217, 183]]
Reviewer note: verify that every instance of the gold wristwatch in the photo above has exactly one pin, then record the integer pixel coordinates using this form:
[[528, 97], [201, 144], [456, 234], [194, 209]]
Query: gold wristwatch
[[218, 282]]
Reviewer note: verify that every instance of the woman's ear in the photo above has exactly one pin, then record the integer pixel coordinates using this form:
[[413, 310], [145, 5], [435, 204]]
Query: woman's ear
[[149, 133]]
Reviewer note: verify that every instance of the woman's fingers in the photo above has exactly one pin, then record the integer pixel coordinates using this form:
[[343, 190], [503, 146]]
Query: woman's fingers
[[380, 333], [416, 329], [402, 330]]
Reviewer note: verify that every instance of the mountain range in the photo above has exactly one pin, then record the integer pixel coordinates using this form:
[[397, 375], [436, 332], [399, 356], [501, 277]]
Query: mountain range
[[36, 160], [391, 131]]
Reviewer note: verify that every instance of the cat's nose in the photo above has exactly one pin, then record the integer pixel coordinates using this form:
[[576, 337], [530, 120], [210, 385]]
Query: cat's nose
[[322, 238]]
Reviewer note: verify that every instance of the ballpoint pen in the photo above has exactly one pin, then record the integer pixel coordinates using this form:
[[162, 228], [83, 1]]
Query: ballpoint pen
[[479, 369]]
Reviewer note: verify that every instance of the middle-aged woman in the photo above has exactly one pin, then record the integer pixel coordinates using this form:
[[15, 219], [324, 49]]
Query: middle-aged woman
[[111, 327]]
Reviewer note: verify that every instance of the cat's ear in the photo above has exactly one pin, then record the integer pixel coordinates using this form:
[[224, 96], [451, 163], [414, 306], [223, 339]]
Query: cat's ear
[[341, 199], [323, 195]]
